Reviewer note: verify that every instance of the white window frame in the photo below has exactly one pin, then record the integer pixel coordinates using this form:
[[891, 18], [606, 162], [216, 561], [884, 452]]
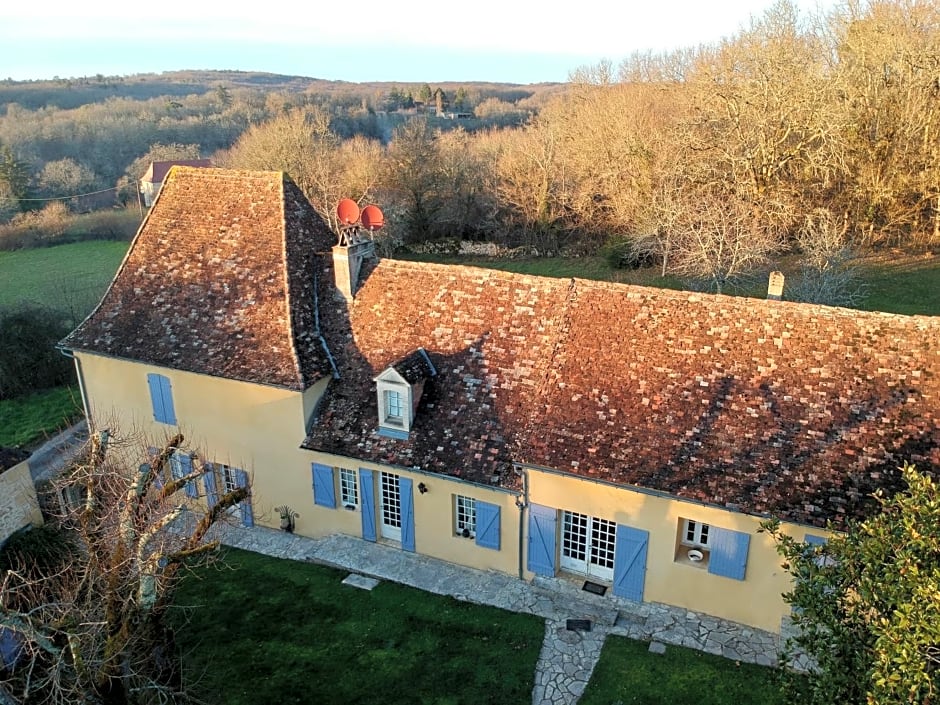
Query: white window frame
[[699, 532], [391, 418], [588, 545], [465, 516], [348, 488], [229, 479]]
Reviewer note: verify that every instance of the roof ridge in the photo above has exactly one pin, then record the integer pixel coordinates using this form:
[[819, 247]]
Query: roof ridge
[[288, 292]]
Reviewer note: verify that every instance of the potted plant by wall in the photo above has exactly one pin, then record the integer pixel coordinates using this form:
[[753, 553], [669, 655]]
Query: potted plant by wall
[[287, 518]]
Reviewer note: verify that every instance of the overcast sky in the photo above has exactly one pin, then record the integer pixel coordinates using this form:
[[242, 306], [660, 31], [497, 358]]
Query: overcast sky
[[405, 41]]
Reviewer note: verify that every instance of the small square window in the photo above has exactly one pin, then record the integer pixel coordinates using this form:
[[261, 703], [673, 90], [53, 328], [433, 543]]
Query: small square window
[[695, 533], [465, 516], [348, 488]]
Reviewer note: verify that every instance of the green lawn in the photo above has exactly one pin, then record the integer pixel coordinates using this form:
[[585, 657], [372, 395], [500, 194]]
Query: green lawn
[[264, 630], [25, 421], [70, 278], [628, 673]]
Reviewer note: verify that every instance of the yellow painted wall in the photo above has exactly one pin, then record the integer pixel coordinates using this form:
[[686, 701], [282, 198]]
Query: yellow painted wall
[[260, 429], [18, 504], [250, 426], [755, 601], [434, 516]]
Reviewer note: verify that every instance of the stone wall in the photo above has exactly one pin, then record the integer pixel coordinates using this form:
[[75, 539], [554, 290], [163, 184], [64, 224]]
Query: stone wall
[[18, 504]]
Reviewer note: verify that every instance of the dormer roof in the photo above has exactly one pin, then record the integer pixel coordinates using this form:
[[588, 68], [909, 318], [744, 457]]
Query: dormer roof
[[415, 367], [220, 280]]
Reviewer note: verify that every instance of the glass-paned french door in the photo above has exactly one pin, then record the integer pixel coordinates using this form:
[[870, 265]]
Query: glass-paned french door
[[587, 545], [391, 506]]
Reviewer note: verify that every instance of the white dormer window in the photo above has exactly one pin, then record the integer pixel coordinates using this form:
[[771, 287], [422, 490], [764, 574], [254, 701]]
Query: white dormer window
[[399, 390]]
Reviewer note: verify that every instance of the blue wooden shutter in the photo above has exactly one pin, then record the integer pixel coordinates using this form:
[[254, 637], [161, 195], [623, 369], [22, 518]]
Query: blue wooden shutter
[[324, 489], [186, 467], [368, 504], [248, 516], [12, 647], [208, 479], [161, 398], [813, 540], [407, 514], [156, 396], [630, 562], [728, 551], [541, 558], [487, 525]]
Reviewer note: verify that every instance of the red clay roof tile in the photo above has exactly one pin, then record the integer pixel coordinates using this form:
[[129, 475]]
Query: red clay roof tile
[[766, 407], [219, 280]]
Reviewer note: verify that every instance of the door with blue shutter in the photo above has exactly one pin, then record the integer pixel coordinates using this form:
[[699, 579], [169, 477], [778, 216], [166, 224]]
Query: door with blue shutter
[[208, 480], [541, 554], [368, 504], [248, 517], [324, 489], [185, 462], [728, 553], [630, 562], [487, 525], [407, 514]]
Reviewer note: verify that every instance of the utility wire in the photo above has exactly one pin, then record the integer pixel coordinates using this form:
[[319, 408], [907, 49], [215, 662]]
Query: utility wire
[[65, 198]]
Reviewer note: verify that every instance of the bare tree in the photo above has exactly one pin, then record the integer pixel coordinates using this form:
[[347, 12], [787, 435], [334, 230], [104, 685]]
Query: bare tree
[[93, 631], [829, 272]]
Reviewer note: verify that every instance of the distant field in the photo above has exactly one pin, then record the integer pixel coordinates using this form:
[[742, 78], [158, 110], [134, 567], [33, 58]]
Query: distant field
[[67, 277]]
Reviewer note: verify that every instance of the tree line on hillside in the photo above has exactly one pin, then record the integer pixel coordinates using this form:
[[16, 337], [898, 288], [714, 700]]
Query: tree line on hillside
[[52, 151], [816, 135]]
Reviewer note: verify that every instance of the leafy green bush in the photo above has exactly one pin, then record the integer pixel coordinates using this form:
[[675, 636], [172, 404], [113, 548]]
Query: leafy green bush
[[29, 360]]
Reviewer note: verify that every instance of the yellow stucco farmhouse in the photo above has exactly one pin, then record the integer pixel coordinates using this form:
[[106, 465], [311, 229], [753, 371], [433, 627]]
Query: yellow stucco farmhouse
[[534, 426]]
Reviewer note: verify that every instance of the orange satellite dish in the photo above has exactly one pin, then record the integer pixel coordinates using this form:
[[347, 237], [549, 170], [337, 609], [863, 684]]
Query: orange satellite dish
[[372, 218], [347, 211]]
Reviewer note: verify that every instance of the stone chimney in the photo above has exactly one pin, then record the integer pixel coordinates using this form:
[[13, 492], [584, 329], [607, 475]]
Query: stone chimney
[[348, 257]]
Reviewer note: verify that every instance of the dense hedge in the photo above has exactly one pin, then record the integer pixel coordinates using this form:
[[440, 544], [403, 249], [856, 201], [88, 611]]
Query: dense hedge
[[29, 360]]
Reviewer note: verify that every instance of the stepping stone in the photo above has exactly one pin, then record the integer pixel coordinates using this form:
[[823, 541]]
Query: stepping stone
[[657, 647], [360, 581]]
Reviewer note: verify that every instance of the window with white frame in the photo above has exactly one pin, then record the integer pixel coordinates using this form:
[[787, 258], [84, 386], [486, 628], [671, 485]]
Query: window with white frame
[[348, 488], [393, 407], [695, 533], [229, 479], [465, 516]]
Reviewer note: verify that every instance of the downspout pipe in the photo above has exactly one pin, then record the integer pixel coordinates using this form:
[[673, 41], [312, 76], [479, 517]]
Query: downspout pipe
[[81, 382], [522, 504]]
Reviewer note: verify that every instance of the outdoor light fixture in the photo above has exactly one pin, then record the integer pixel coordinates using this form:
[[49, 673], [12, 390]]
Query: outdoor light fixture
[[422, 488]]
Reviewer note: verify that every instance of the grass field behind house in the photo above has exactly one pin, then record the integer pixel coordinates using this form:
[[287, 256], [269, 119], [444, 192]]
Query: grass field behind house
[[28, 420], [896, 283], [263, 630], [628, 673], [69, 278]]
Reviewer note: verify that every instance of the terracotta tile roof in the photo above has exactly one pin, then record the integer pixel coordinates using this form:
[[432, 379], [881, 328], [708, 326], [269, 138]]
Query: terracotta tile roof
[[765, 407], [157, 171], [219, 280], [486, 333]]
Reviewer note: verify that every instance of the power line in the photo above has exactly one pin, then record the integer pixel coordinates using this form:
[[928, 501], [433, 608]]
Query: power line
[[65, 198]]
